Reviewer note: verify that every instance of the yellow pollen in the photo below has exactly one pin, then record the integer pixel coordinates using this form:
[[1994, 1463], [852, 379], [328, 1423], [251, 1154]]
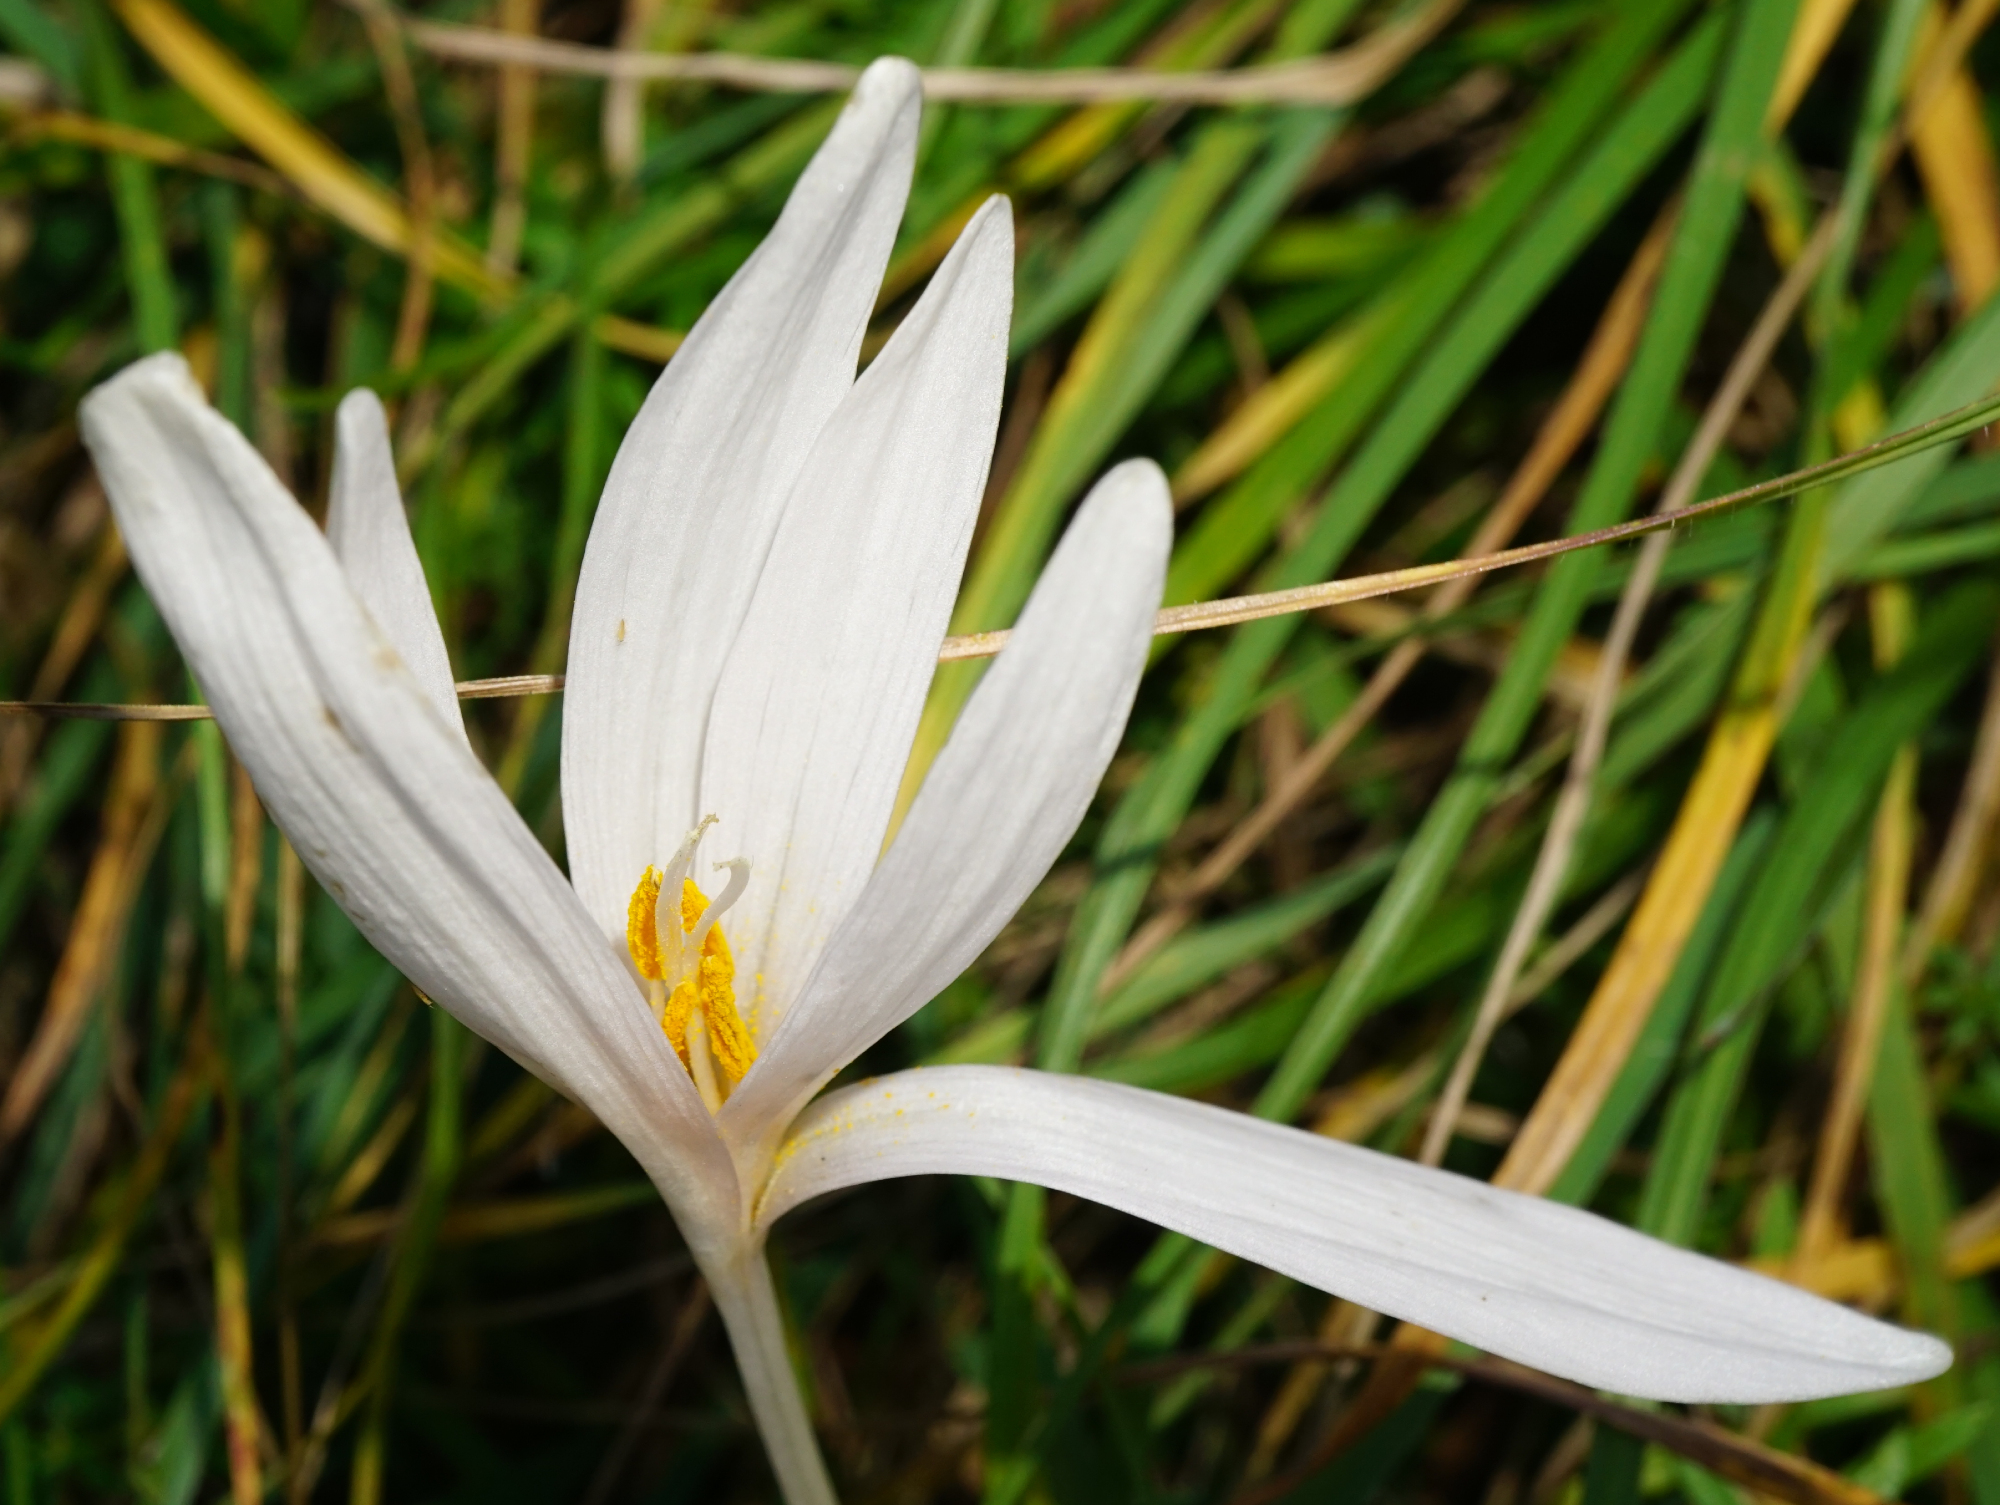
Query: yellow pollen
[[642, 936], [710, 986], [680, 1009]]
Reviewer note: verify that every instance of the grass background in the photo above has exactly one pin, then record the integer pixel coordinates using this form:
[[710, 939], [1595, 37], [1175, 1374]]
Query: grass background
[[272, 1229]]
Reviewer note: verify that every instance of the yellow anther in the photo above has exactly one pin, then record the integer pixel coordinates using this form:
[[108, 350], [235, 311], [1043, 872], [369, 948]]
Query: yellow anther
[[711, 986], [715, 990], [728, 1037], [680, 1009], [642, 937]]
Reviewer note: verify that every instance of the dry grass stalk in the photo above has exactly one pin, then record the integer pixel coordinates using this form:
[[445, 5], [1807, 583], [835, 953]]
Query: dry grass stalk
[[320, 171], [1953, 153], [35, 1349], [134, 815], [74, 633], [114, 136], [290, 939], [1821, 1223], [419, 182], [1682, 876], [515, 138], [1954, 881], [1562, 433], [1206, 615], [1710, 814], [244, 1427], [623, 118], [1739, 1459], [1572, 807], [1334, 78], [687, 1323], [246, 865]]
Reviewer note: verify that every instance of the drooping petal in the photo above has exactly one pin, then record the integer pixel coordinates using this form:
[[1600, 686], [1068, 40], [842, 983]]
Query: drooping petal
[[821, 694], [370, 534], [695, 493], [1547, 1285], [385, 802], [997, 808]]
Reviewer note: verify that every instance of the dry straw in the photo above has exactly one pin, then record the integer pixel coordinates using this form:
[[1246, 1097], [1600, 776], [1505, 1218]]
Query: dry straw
[[1230, 610], [1333, 78]]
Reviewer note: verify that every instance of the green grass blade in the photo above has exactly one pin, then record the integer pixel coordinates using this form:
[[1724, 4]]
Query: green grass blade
[[1707, 225]]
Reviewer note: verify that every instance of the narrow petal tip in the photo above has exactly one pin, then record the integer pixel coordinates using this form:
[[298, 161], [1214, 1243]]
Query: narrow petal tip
[[1138, 483], [370, 534], [166, 372], [1133, 497], [890, 78], [989, 234], [1831, 1351], [997, 206], [361, 406], [1912, 1357]]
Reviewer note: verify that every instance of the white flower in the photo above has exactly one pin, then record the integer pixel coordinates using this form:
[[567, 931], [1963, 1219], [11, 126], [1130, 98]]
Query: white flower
[[769, 576]]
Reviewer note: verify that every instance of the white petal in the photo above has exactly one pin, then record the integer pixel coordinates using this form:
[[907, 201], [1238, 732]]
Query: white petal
[[999, 805], [820, 697], [370, 534], [695, 494], [384, 801], [1547, 1285]]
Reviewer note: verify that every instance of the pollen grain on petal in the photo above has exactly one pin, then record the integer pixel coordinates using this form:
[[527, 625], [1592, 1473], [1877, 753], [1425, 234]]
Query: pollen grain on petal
[[641, 935]]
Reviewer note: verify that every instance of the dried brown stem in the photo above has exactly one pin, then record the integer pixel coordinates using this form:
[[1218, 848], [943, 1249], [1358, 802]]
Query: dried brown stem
[[1334, 78], [419, 181], [113, 136], [516, 131], [1568, 424], [686, 1325], [1887, 890], [74, 633], [1739, 1459], [1203, 615], [134, 815], [1954, 882], [1552, 863]]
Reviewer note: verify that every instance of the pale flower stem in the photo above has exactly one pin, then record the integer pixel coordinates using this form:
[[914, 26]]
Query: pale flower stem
[[748, 1303]]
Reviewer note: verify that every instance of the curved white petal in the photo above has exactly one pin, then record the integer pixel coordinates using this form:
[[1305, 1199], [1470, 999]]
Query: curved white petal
[[384, 801], [696, 491], [820, 696], [999, 805], [370, 534], [1547, 1285]]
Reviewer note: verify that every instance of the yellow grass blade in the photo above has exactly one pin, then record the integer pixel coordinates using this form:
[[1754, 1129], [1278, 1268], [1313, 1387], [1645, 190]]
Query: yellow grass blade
[[1647, 951], [1267, 414], [313, 164], [1813, 34], [1954, 157]]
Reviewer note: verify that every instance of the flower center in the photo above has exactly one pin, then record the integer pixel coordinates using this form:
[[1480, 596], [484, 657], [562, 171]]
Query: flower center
[[690, 976]]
